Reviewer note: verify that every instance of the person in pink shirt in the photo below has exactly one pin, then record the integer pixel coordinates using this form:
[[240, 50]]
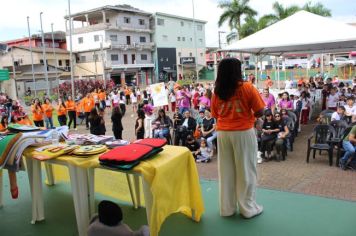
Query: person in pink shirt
[[204, 101], [269, 100], [286, 103], [183, 99]]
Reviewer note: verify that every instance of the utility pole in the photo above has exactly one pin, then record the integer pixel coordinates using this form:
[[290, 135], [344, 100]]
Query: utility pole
[[44, 57], [195, 43], [55, 58], [220, 32], [30, 44], [102, 59]]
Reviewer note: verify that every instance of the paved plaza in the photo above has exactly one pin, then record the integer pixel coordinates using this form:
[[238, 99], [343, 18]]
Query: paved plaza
[[294, 174]]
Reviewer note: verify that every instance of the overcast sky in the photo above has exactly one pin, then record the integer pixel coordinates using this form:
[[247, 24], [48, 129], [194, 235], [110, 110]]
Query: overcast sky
[[13, 19]]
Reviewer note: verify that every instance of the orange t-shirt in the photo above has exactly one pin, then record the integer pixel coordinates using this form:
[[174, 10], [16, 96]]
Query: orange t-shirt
[[37, 113], [70, 105], [61, 110], [88, 104], [47, 108], [127, 92], [102, 96], [238, 112]]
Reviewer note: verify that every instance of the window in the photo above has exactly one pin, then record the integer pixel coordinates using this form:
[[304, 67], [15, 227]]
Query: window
[[201, 40], [96, 38], [125, 58], [178, 38], [144, 57], [190, 54], [59, 62], [83, 58], [165, 37], [142, 39], [199, 27], [182, 23], [107, 20], [128, 40], [191, 39], [141, 21], [95, 57], [80, 40], [133, 58], [113, 37], [41, 61], [183, 39], [127, 20], [160, 21], [179, 54], [201, 54], [114, 57]]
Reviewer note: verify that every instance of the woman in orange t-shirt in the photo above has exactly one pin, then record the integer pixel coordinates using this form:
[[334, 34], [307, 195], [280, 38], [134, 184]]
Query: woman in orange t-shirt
[[70, 106], [235, 105], [62, 112], [37, 113], [48, 109], [102, 98]]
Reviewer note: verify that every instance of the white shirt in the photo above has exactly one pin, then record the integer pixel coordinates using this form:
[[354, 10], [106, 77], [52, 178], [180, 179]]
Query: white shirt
[[185, 123], [350, 110], [173, 98], [332, 100], [305, 104], [289, 84], [335, 116], [133, 98], [115, 98]]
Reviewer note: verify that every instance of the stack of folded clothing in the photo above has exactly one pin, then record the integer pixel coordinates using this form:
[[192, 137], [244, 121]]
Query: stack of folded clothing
[[116, 143], [53, 151], [88, 139], [127, 157]]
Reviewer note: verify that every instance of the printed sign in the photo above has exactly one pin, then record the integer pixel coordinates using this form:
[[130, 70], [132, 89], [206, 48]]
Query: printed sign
[[187, 60], [159, 94]]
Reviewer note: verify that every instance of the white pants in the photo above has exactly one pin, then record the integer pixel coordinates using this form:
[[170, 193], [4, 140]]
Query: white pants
[[237, 159]]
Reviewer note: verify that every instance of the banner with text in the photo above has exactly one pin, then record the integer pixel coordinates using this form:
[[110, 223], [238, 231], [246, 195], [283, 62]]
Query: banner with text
[[159, 94]]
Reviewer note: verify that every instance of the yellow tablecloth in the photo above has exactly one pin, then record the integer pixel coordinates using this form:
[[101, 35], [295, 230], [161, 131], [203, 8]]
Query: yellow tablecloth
[[173, 178]]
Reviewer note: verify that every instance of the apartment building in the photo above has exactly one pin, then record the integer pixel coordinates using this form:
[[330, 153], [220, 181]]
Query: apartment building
[[180, 46], [115, 42]]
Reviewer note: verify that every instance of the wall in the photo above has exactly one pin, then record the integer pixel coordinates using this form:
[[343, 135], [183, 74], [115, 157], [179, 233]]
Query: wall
[[88, 41], [121, 36], [129, 57]]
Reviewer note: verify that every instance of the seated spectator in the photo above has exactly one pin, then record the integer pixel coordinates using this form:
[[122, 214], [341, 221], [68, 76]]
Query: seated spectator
[[193, 145], [339, 114], [199, 119], [269, 135], [205, 153], [349, 146], [162, 124], [187, 127], [108, 222], [208, 129], [350, 109], [285, 102], [281, 136]]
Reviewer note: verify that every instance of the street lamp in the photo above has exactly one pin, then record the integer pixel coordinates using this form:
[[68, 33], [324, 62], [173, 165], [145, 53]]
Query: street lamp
[[44, 56], [30, 45], [70, 50], [55, 58]]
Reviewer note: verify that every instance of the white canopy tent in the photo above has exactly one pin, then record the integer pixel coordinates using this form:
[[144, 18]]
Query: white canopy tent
[[302, 32]]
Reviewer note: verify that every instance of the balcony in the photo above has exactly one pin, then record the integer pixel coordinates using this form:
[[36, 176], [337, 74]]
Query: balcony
[[117, 65], [108, 26], [133, 46]]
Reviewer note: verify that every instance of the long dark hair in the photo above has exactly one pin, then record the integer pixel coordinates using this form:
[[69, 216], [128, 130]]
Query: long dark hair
[[229, 74], [116, 111], [94, 114]]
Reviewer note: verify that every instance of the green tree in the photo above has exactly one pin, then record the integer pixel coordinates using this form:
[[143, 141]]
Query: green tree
[[233, 12], [318, 8], [280, 13]]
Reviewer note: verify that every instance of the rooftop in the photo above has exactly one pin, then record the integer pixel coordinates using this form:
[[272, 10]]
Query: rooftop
[[39, 50], [179, 17]]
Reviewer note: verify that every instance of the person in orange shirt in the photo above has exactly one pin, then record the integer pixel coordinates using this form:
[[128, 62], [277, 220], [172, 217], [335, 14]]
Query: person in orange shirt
[[102, 98], [95, 96], [37, 113], [268, 82], [236, 108], [88, 104], [62, 112], [300, 81], [127, 95], [70, 106], [48, 109]]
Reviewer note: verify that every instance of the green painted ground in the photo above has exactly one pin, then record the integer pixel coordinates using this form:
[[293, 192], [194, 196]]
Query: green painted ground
[[286, 214]]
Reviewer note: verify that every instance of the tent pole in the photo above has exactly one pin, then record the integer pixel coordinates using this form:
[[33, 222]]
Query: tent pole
[[279, 86], [322, 63], [256, 71]]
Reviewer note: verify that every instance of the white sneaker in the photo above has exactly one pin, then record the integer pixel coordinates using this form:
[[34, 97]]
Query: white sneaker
[[259, 212], [259, 158]]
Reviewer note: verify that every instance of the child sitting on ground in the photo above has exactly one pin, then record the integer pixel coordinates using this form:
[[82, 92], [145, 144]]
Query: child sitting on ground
[[205, 153], [108, 222], [192, 145]]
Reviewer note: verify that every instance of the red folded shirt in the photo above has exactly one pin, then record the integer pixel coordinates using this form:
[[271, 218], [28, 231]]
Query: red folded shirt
[[153, 142]]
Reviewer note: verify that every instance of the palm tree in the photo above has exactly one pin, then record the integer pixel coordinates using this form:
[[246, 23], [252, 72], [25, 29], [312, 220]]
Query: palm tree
[[280, 13], [317, 8], [233, 12]]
